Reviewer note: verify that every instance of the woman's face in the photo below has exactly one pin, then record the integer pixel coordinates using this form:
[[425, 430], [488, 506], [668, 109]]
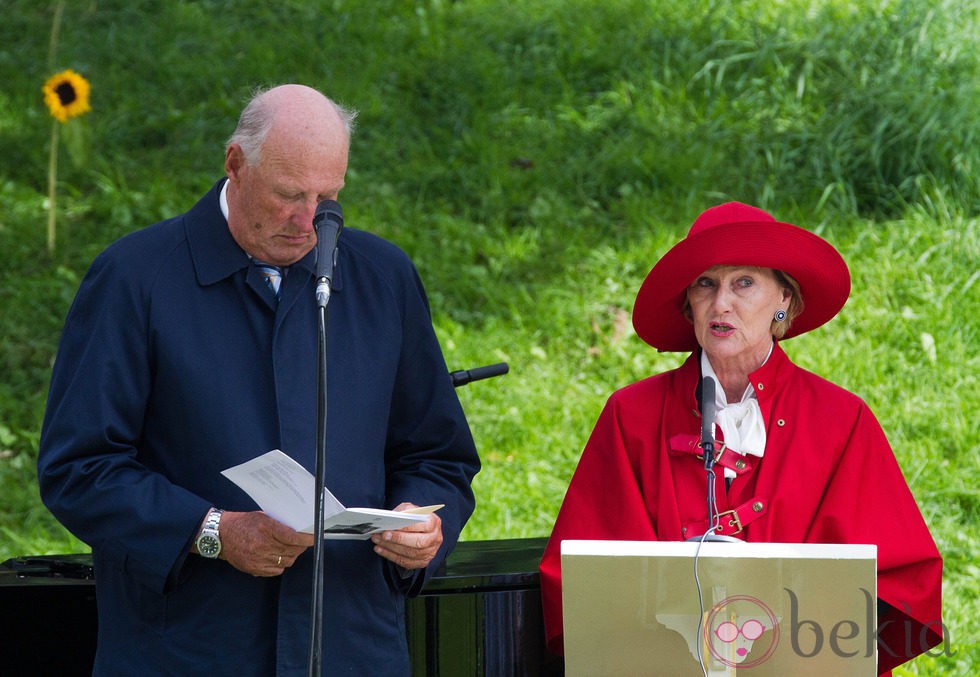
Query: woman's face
[[732, 308]]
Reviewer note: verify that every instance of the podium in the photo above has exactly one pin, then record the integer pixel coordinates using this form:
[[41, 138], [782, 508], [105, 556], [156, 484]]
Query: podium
[[720, 609]]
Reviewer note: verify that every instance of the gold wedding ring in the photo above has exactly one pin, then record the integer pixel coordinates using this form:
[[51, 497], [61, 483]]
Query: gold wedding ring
[[279, 561]]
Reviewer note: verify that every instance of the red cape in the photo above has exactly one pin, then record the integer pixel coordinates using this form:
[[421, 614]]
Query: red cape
[[828, 474]]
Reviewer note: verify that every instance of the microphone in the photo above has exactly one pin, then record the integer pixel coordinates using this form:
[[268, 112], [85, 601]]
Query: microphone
[[464, 376], [328, 221], [708, 421], [708, 411]]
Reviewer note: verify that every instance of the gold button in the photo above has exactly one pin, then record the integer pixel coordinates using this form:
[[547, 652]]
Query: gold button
[[757, 506], [781, 422], [740, 464], [760, 387]]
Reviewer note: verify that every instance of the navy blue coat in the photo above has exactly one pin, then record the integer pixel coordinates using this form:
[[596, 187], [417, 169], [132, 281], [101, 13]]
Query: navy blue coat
[[175, 363]]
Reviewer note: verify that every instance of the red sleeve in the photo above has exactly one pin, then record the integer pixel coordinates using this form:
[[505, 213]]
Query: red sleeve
[[603, 502], [868, 501]]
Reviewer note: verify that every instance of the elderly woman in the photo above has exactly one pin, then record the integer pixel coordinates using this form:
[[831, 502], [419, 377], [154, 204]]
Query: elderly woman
[[804, 460]]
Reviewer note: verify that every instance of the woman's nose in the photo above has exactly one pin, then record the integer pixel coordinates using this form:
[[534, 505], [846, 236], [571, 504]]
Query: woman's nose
[[722, 299]]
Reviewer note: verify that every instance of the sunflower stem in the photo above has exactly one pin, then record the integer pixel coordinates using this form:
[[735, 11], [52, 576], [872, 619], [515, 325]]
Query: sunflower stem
[[53, 156], [55, 30], [52, 185]]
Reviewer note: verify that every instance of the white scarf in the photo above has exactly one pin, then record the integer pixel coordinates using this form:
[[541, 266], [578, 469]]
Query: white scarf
[[740, 422]]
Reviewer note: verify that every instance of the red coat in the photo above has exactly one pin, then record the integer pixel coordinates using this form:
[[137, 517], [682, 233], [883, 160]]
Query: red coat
[[828, 475]]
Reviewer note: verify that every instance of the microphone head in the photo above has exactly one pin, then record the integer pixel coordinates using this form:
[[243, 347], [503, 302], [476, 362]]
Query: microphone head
[[328, 210], [707, 410]]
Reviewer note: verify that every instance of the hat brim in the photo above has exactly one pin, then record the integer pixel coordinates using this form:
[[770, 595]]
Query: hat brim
[[821, 272]]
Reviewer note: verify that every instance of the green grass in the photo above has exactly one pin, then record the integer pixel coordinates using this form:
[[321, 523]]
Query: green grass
[[535, 158]]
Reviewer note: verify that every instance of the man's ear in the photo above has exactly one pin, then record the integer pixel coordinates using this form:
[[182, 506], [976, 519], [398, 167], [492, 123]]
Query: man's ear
[[234, 160]]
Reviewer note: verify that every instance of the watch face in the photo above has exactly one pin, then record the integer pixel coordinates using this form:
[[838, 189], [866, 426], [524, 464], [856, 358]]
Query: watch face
[[208, 546]]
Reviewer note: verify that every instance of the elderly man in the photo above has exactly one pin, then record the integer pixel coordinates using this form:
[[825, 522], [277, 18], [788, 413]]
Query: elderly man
[[179, 360]]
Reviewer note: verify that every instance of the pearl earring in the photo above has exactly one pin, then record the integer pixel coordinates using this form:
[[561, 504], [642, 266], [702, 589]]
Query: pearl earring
[[780, 315]]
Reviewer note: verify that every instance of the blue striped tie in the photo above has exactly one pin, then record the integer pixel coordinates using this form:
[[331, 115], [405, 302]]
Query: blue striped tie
[[272, 275]]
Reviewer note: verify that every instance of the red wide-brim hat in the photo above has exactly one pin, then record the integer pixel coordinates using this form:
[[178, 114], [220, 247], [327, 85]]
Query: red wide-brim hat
[[736, 234]]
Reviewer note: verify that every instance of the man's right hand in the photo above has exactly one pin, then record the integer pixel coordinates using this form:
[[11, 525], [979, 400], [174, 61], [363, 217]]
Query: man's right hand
[[255, 543]]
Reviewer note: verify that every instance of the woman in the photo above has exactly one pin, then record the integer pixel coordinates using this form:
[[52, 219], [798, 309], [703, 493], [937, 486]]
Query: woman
[[804, 462]]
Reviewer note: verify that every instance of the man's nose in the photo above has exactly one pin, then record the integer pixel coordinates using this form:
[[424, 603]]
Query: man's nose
[[303, 218]]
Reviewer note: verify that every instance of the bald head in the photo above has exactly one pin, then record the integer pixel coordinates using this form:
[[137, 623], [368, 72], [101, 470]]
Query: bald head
[[290, 109]]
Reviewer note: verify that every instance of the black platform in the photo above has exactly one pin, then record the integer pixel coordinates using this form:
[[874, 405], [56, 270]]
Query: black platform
[[479, 615]]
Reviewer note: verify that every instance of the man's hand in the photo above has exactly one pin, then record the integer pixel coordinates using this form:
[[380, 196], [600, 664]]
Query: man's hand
[[412, 547], [255, 543]]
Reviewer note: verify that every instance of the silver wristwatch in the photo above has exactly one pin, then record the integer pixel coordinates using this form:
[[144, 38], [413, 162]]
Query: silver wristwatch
[[208, 542]]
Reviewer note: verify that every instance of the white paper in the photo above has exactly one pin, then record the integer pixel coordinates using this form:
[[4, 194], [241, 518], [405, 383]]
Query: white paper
[[284, 490]]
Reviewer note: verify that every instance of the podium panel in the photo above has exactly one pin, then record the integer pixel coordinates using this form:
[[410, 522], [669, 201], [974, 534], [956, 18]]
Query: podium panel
[[759, 609]]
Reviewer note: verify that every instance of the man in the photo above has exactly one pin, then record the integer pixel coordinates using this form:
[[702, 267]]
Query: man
[[178, 361]]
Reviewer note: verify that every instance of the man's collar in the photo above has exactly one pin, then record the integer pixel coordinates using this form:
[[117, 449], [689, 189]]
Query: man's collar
[[223, 199], [214, 251]]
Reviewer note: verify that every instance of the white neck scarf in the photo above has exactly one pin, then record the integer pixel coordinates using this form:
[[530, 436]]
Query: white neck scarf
[[740, 422]]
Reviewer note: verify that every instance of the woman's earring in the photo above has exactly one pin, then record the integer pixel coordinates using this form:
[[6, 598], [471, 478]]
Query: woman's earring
[[780, 315]]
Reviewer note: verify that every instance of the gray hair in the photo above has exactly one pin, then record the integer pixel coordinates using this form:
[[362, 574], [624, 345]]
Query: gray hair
[[789, 283], [256, 121]]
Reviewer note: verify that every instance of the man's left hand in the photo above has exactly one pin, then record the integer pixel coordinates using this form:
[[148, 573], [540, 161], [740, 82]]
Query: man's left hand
[[412, 547]]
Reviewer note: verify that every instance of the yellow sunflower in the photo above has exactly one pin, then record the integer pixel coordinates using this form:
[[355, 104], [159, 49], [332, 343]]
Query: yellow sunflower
[[66, 95]]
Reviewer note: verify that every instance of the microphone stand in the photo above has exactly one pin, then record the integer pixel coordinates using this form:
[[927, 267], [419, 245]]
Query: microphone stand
[[329, 216], [708, 451], [316, 625]]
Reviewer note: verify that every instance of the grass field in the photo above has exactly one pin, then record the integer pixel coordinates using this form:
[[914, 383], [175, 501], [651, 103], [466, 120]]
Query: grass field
[[535, 159]]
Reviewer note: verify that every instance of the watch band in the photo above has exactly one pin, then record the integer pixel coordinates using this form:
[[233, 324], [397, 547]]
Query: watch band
[[212, 521], [209, 541]]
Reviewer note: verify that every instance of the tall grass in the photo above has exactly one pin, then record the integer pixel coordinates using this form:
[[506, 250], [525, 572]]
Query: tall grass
[[535, 158]]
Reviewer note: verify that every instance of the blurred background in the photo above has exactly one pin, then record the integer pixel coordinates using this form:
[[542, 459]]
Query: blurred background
[[535, 158]]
